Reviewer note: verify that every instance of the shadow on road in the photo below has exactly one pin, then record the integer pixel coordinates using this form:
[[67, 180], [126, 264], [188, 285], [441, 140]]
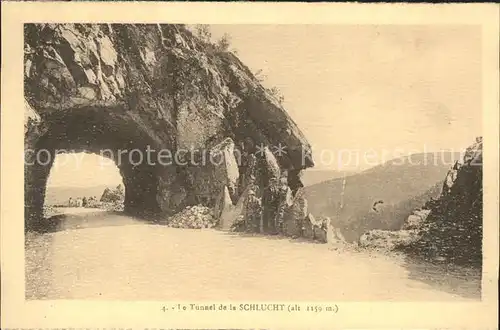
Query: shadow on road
[[92, 219], [456, 280], [38, 269], [298, 240]]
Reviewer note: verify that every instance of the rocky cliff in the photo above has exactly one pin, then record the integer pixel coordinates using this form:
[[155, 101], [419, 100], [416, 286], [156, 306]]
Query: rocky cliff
[[453, 230], [450, 227], [158, 87]]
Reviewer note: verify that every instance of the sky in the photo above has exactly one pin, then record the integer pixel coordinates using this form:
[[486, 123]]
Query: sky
[[384, 90], [414, 88], [83, 170]]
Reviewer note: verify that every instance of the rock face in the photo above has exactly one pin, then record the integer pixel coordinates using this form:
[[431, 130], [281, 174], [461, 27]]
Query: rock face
[[152, 90], [449, 228], [453, 230], [325, 232], [416, 220], [308, 227], [295, 215], [226, 166], [229, 212], [115, 195]]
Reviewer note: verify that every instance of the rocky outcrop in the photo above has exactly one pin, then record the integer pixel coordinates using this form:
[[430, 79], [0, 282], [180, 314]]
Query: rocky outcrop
[[230, 213], [308, 225], [416, 219], [320, 230], [449, 228], [325, 232], [112, 195], [453, 230], [296, 215], [149, 88], [226, 166]]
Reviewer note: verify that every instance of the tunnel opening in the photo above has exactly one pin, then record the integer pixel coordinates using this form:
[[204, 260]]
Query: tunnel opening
[[114, 136], [83, 181]]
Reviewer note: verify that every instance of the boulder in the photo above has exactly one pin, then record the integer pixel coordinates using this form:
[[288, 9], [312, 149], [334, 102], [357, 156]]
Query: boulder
[[416, 219], [226, 165], [222, 202], [229, 212], [339, 236], [271, 163], [324, 232]]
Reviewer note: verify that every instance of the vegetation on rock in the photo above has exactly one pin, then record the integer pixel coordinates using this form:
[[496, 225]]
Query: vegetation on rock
[[223, 44]]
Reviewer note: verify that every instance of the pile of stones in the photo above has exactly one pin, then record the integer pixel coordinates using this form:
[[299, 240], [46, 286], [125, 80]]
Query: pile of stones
[[49, 211], [193, 217], [378, 239], [111, 206]]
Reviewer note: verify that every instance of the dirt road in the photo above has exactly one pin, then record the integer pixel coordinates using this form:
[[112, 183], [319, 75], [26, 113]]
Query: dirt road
[[103, 255]]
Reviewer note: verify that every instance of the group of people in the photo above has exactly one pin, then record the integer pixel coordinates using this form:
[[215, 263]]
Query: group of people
[[265, 204], [82, 202], [276, 196]]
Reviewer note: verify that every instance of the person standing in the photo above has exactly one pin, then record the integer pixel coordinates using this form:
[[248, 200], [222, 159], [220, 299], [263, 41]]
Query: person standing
[[271, 202], [284, 200]]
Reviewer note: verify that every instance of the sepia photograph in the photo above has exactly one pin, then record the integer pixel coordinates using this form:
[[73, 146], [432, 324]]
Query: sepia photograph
[[260, 165], [160, 164]]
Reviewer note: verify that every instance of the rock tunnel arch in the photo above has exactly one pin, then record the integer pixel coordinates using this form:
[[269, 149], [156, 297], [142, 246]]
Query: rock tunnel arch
[[96, 131], [95, 87]]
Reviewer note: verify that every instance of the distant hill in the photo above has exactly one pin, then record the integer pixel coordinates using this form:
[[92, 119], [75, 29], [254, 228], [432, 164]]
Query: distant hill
[[389, 216], [60, 195], [312, 176], [402, 184]]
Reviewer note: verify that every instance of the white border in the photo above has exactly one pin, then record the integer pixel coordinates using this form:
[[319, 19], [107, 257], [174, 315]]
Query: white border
[[50, 314]]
